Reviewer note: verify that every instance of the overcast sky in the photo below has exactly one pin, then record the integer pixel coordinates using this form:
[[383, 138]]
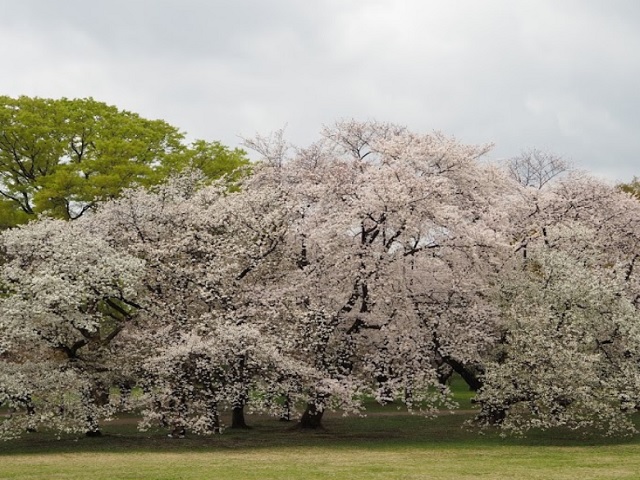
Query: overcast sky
[[560, 75]]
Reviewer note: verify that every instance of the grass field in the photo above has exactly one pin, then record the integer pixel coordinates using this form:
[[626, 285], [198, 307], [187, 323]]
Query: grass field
[[387, 444]]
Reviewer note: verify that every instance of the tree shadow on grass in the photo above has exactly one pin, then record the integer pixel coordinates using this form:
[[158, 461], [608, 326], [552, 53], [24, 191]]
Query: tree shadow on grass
[[381, 430]]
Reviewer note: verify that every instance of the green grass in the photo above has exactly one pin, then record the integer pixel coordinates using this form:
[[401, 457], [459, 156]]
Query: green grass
[[387, 444], [461, 392]]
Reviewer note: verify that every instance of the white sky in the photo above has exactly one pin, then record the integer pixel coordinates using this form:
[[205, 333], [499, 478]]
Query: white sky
[[560, 75]]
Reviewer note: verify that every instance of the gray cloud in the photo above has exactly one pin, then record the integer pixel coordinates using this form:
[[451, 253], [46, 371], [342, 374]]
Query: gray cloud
[[557, 75]]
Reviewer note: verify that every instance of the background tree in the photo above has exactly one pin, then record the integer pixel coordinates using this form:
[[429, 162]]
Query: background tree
[[535, 168], [62, 156], [633, 187]]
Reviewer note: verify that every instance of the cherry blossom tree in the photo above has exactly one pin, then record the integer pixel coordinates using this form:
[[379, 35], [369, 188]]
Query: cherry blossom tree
[[193, 378], [569, 303], [571, 350], [389, 224], [67, 296], [374, 261], [213, 257]]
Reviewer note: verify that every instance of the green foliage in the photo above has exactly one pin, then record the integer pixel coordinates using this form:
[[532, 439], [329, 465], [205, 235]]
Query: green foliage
[[633, 187], [213, 159], [10, 215], [62, 156]]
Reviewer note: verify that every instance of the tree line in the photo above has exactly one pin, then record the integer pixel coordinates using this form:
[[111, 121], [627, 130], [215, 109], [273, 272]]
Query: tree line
[[375, 262]]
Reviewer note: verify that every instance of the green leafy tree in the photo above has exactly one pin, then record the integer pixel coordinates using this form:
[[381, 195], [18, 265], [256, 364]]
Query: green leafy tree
[[633, 187], [62, 156]]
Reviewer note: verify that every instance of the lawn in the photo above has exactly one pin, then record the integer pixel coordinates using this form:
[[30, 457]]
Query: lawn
[[387, 444]]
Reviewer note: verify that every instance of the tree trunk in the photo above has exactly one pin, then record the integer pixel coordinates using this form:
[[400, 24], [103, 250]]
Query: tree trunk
[[31, 412], [214, 418], [471, 377], [311, 418], [178, 431], [89, 398], [237, 418], [492, 414], [285, 416], [385, 394], [237, 412], [92, 428]]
